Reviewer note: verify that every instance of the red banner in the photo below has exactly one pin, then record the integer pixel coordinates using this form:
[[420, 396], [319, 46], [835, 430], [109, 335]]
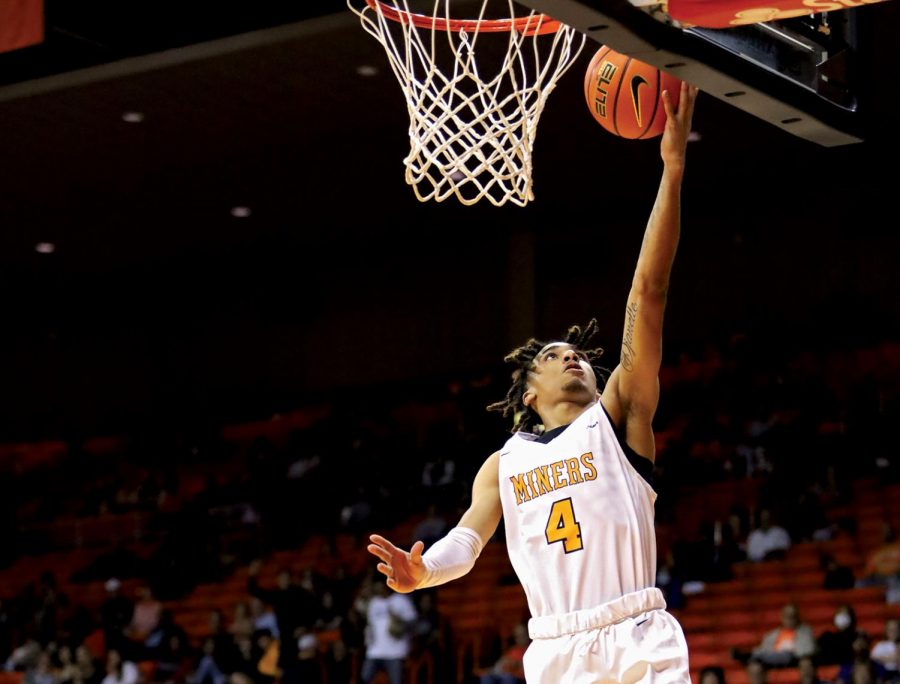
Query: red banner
[[726, 13], [21, 23]]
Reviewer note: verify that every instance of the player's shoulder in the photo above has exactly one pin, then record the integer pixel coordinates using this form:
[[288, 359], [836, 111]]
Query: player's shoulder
[[493, 459]]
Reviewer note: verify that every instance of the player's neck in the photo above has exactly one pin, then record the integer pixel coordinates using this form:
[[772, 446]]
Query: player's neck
[[563, 413]]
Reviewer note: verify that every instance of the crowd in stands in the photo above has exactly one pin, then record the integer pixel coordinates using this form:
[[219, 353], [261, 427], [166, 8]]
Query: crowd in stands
[[803, 425]]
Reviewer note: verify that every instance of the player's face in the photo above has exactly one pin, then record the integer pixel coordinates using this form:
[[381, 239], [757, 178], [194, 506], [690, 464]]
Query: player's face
[[562, 373]]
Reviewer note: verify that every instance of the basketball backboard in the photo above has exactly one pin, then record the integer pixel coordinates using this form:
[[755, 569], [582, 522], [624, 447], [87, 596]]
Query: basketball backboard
[[799, 74]]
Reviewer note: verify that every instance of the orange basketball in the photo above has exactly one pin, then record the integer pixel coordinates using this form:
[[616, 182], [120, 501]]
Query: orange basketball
[[625, 95]]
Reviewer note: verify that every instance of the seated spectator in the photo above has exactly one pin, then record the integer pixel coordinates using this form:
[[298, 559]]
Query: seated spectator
[[42, 671], [66, 668], [861, 669], [784, 645], [120, 671], [263, 617], [887, 651], [808, 672], [241, 624], [431, 528], [883, 564], [88, 671], [836, 576], [208, 670], [172, 660], [836, 646], [712, 675], [145, 615], [756, 673], [23, 657], [767, 541], [115, 615], [509, 668]]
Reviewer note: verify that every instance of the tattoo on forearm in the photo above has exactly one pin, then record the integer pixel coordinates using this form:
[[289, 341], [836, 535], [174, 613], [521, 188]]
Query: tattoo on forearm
[[627, 342]]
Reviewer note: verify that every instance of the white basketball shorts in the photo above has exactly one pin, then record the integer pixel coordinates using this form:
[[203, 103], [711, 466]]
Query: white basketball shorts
[[629, 640]]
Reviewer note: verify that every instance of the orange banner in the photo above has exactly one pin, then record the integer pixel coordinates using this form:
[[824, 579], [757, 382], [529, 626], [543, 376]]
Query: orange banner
[[21, 23], [726, 13]]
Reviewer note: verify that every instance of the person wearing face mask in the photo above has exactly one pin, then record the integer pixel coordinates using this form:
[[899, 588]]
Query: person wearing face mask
[[836, 646]]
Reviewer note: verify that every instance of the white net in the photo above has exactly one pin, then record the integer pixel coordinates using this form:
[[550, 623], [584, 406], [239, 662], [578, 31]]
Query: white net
[[472, 125]]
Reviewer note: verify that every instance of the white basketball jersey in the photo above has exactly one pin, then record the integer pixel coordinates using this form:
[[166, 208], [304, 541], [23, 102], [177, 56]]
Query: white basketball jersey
[[578, 517]]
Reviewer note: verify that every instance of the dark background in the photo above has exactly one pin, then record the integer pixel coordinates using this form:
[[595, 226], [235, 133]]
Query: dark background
[[159, 307]]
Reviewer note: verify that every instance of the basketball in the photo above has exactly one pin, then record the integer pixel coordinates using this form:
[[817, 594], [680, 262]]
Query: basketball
[[625, 95]]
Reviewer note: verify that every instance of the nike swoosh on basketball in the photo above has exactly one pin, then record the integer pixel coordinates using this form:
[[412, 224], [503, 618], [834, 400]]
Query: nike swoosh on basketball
[[636, 83]]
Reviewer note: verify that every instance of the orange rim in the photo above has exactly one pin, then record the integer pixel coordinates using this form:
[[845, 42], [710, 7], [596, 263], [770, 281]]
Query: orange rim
[[532, 25]]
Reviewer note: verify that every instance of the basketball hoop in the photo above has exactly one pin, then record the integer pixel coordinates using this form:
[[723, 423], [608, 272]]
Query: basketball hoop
[[472, 126]]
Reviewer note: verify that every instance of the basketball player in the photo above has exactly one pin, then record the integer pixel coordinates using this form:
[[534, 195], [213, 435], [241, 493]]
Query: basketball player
[[576, 500]]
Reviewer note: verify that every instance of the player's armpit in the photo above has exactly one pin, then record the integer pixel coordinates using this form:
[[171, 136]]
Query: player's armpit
[[485, 511]]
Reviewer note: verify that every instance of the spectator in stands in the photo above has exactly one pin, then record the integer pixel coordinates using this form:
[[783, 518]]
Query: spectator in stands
[[42, 671], [48, 601], [119, 671], [836, 646], [767, 541], [172, 659], [756, 673], [241, 622], [66, 668], [431, 633], [807, 516], [808, 672], [355, 516], [145, 615], [712, 674], [208, 670], [267, 651], [887, 651], [23, 657], [509, 668], [836, 576], [390, 616], [439, 472], [263, 618], [115, 615], [670, 581], [861, 669], [883, 564], [88, 672], [338, 662], [328, 617], [295, 606], [784, 645], [243, 668], [308, 670], [431, 528]]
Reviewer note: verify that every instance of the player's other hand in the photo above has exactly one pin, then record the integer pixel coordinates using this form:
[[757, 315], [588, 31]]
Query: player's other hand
[[403, 569]]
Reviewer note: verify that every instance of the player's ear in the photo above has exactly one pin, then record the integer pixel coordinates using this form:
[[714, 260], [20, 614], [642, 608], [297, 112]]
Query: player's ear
[[528, 398]]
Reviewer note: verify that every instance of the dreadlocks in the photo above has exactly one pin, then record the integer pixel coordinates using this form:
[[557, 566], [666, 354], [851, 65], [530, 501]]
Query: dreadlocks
[[523, 358]]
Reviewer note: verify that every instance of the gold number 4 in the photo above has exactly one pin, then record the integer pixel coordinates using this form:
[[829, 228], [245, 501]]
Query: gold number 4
[[562, 526]]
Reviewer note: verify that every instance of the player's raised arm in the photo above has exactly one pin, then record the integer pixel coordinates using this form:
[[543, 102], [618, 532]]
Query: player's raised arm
[[632, 393], [454, 555]]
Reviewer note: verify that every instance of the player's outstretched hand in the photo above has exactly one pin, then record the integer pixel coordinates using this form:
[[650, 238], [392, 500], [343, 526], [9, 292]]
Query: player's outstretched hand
[[404, 570], [678, 123]]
